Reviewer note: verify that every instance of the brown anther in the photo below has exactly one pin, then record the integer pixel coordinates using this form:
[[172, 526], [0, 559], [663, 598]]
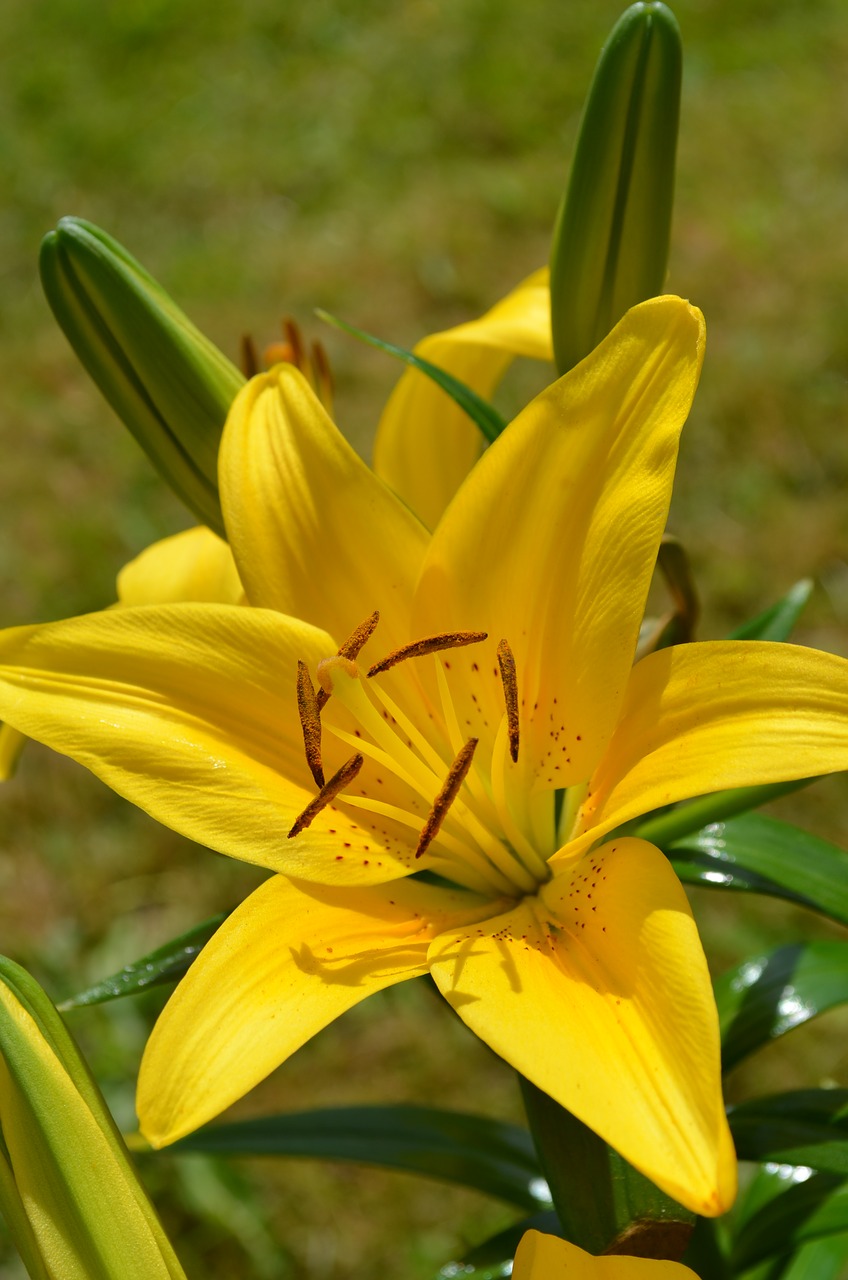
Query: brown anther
[[328, 793], [292, 331], [250, 365], [323, 376], [310, 722], [506, 662], [430, 644], [446, 797], [356, 641]]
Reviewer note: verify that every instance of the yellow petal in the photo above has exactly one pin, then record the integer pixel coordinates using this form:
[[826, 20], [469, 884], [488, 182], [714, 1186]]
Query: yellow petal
[[426, 444], [703, 717], [194, 565], [543, 1257], [289, 961], [551, 542], [313, 531], [598, 992], [190, 711]]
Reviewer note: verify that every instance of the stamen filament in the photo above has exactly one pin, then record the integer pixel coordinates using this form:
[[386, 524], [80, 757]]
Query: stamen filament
[[530, 861], [430, 644], [351, 648], [310, 722], [447, 795], [328, 792], [506, 662]]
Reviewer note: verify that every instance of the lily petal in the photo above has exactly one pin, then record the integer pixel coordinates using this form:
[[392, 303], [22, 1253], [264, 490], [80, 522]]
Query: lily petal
[[425, 444], [11, 746], [193, 565], [551, 541], [314, 532], [190, 712], [597, 991], [543, 1257], [705, 717], [290, 960]]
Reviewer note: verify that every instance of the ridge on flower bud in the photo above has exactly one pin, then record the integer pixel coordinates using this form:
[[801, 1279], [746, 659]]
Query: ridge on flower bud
[[166, 381], [610, 247]]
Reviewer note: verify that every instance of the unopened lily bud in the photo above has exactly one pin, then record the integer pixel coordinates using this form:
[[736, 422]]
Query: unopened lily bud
[[70, 1197], [610, 247], [168, 383]]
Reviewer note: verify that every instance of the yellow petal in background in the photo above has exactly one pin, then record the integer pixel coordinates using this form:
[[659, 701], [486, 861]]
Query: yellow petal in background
[[193, 565], [289, 961], [190, 711], [543, 1257], [11, 746], [552, 540], [426, 444], [314, 532], [704, 717], [597, 991]]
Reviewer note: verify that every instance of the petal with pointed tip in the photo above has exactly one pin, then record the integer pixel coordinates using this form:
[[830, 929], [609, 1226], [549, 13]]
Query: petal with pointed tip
[[597, 991], [314, 532], [193, 565], [718, 714], [552, 540], [290, 960], [190, 711], [426, 444]]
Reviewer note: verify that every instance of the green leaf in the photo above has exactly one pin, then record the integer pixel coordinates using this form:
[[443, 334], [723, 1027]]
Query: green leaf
[[610, 247], [481, 413], [496, 1158], [166, 964], [777, 622], [805, 1127], [756, 854], [492, 1259], [598, 1196], [764, 997], [813, 1206], [663, 829]]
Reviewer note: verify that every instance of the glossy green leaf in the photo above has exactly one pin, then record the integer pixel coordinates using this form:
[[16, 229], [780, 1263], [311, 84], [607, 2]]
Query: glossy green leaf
[[665, 829], [492, 1259], [814, 1205], [766, 996], [481, 413], [805, 1127], [756, 854], [825, 1259], [598, 1196], [166, 964], [610, 247], [778, 621], [474, 1151]]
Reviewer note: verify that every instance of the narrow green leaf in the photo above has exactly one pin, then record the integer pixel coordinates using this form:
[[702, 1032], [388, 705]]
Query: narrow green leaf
[[496, 1158], [492, 1259], [768, 995], [481, 413], [663, 829], [166, 964], [815, 1205], [805, 1127], [756, 854], [610, 247], [824, 1259], [778, 621]]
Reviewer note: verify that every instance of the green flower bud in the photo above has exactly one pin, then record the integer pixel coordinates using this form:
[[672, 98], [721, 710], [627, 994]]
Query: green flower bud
[[168, 383], [69, 1195], [611, 240]]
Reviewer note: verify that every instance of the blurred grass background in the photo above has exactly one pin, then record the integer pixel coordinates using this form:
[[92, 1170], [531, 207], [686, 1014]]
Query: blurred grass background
[[399, 165]]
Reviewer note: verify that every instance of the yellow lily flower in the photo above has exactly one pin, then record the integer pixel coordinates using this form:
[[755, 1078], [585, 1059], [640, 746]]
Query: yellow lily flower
[[543, 1257], [498, 675], [425, 444]]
